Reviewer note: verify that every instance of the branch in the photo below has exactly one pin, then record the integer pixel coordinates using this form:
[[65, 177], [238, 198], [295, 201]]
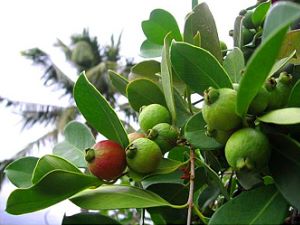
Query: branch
[[191, 192]]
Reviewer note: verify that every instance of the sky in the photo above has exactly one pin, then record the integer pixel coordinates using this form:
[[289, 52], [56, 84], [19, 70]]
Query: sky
[[33, 23]]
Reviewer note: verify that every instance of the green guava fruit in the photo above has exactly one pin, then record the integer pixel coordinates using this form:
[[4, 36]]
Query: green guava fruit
[[143, 155], [223, 47], [220, 136], [260, 102], [247, 35], [164, 135], [106, 160], [280, 91], [82, 54], [247, 149], [135, 135], [153, 114], [219, 109]]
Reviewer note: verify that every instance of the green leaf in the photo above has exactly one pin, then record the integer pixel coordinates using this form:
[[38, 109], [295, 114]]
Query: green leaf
[[275, 28], [142, 92], [159, 25], [118, 81], [214, 178], [150, 50], [78, 137], [194, 132], [281, 63], [280, 16], [88, 218], [234, 63], [97, 111], [294, 99], [237, 32], [19, 172], [54, 187], [201, 20], [145, 69], [117, 197], [170, 178], [197, 67], [263, 205], [166, 77], [285, 168], [260, 12], [285, 116], [49, 163], [181, 109], [289, 45]]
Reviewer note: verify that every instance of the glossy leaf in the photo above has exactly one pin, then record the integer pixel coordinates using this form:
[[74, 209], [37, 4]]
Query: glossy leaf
[[275, 28], [160, 23], [291, 44], [88, 218], [145, 69], [142, 92], [150, 50], [237, 32], [285, 169], [264, 205], [260, 12], [97, 111], [166, 77], [78, 137], [234, 63], [198, 68], [118, 81], [284, 116], [54, 187], [194, 132], [281, 63], [170, 178], [49, 163], [294, 99], [181, 109], [201, 20], [117, 197], [19, 172]]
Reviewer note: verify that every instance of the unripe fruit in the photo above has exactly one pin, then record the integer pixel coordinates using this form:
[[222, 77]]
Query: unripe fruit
[[219, 109], [153, 114], [223, 47], [260, 102], [143, 155], [247, 35], [280, 91], [106, 160], [135, 135], [247, 149], [164, 135], [220, 136], [82, 54]]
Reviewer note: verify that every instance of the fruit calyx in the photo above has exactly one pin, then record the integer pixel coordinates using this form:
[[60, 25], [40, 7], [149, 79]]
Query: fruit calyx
[[152, 133], [211, 95], [285, 78], [131, 151], [89, 154], [270, 84]]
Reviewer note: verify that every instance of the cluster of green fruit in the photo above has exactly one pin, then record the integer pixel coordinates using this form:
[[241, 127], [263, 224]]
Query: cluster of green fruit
[[108, 160], [246, 146]]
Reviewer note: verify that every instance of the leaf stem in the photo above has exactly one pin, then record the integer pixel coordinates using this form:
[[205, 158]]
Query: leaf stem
[[188, 96], [203, 218], [191, 191]]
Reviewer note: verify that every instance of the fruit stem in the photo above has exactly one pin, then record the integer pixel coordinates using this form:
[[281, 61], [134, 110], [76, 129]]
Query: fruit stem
[[89, 154], [191, 191]]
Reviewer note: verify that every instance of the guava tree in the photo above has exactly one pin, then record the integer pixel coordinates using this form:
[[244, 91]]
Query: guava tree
[[219, 130]]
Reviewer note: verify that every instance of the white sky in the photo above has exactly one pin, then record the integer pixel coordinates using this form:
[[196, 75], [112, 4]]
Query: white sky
[[26, 24]]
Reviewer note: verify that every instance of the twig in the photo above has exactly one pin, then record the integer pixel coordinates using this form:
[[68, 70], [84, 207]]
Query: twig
[[191, 192]]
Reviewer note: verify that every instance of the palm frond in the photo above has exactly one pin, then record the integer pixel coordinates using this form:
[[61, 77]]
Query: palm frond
[[64, 48], [52, 76]]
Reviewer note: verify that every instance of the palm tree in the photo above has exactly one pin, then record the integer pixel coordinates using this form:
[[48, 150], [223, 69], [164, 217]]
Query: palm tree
[[85, 54]]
